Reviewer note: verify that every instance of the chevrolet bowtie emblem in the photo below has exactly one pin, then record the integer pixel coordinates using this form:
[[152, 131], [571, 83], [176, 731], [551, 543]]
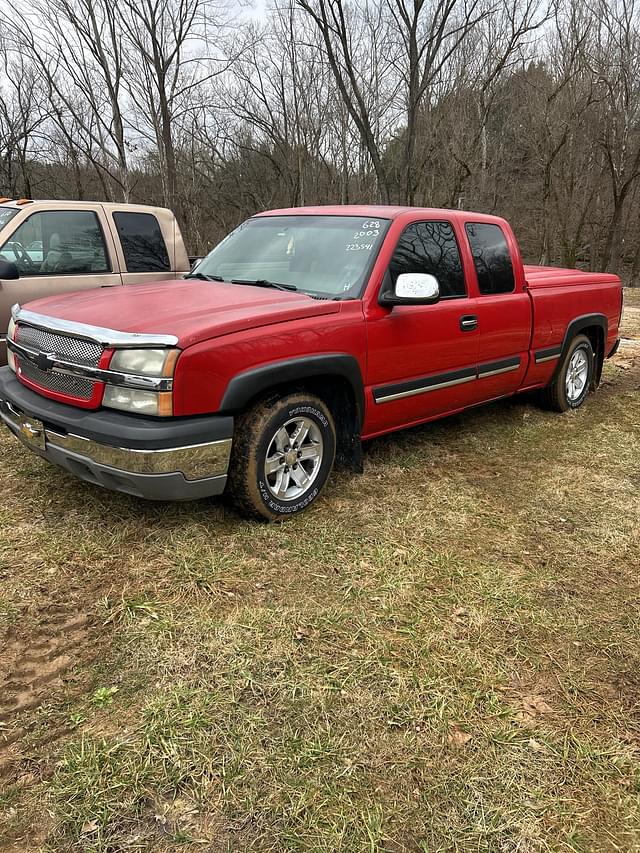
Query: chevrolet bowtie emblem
[[44, 361]]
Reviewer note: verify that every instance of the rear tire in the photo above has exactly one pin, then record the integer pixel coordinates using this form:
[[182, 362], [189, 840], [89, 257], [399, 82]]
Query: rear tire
[[283, 453], [571, 386]]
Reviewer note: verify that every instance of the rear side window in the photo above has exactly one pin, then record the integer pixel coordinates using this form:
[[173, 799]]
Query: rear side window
[[491, 257], [142, 242], [430, 247]]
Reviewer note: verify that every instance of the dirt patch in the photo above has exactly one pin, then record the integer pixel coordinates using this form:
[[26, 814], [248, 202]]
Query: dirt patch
[[33, 666], [626, 365], [626, 362], [630, 326]]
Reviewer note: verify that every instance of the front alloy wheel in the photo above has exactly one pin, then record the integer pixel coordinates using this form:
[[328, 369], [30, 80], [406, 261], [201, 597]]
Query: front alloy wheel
[[283, 453], [294, 458]]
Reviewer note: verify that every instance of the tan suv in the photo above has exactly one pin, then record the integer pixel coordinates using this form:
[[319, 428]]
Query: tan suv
[[49, 247]]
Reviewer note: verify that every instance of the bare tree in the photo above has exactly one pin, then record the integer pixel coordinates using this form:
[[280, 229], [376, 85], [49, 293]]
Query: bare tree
[[429, 32], [356, 44], [167, 65], [78, 52], [615, 57], [561, 104], [22, 113]]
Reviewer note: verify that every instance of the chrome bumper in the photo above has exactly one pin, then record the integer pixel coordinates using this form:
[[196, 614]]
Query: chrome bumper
[[176, 473]]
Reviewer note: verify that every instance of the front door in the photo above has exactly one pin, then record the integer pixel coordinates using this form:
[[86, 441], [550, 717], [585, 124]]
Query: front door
[[423, 358], [55, 251]]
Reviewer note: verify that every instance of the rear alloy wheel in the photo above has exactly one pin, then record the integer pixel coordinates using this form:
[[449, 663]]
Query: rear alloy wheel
[[282, 456], [577, 376], [571, 385]]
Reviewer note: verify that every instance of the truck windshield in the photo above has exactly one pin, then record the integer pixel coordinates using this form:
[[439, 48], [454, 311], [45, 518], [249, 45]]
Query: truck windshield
[[6, 214], [324, 256]]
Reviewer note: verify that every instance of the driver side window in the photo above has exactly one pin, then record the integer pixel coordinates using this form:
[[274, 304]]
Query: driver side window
[[58, 243], [430, 247]]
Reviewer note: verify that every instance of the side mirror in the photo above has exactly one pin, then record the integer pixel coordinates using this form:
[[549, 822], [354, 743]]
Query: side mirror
[[8, 270], [412, 289]]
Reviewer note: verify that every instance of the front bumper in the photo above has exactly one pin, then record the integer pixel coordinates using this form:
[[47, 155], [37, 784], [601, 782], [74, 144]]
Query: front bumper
[[176, 459]]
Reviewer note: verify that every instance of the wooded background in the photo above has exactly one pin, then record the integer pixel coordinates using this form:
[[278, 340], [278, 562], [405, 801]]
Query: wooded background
[[529, 109]]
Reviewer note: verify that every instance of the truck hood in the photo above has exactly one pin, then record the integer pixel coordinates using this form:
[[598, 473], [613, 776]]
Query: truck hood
[[192, 310]]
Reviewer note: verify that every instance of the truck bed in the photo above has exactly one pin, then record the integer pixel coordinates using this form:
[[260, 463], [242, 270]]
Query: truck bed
[[538, 277]]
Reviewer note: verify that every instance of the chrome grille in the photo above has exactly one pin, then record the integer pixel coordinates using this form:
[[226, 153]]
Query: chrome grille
[[73, 386], [73, 349]]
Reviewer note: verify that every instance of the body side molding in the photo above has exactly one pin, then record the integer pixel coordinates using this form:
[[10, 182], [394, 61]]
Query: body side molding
[[547, 354], [503, 365], [398, 390], [436, 381]]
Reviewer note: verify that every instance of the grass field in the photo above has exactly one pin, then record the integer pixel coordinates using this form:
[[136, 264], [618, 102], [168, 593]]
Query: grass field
[[442, 655]]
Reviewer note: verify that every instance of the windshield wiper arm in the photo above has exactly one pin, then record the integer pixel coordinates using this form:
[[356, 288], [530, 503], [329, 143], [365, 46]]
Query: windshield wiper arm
[[203, 277], [263, 282]]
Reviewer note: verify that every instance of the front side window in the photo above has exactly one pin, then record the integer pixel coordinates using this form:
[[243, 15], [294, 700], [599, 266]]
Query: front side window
[[491, 257], [58, 242], [324, 256], [142, 242], [430, 247]]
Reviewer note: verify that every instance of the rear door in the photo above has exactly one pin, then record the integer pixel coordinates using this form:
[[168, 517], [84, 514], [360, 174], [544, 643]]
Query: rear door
[[503, 308], [422, 358]]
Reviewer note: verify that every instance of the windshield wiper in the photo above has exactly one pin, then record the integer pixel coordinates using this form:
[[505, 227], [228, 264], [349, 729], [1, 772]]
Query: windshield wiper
[[203, 277], [263, 282]]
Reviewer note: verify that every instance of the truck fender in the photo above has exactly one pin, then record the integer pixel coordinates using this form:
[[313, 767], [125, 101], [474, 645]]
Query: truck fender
[[249, 384], [574, 328]]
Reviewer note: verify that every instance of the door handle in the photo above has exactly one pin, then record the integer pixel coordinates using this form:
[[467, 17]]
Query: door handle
[[468, 322]]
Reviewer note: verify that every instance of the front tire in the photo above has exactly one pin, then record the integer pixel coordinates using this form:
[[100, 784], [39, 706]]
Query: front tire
[[570, 387], [283, 452]]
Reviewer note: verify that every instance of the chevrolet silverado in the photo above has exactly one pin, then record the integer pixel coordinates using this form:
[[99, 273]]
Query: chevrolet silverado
[[303, 333]]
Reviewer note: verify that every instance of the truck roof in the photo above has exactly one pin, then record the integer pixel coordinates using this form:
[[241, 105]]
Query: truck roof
[[64, 204], [381, 211]]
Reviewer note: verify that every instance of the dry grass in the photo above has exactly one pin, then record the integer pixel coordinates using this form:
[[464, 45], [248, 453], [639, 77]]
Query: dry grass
[[631, 315], [442, 655]]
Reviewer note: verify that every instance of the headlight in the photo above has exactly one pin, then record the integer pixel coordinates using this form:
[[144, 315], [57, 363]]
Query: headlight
[[140, 402], [145, 362], [153, 363], [11, 331]]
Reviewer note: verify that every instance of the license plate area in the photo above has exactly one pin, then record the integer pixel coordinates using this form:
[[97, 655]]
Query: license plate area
[[31, 431]]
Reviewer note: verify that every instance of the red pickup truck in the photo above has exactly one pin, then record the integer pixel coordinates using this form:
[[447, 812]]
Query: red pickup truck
[[304, 332]]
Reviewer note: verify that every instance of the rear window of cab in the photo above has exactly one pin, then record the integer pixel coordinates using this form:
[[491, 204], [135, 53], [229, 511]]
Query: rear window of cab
[[491, 257]]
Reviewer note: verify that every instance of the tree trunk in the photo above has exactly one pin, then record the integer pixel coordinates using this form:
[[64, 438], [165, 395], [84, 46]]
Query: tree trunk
[[610, 258]]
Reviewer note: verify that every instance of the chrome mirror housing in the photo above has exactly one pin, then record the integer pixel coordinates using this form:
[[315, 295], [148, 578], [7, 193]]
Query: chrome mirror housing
[[413, 289]]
